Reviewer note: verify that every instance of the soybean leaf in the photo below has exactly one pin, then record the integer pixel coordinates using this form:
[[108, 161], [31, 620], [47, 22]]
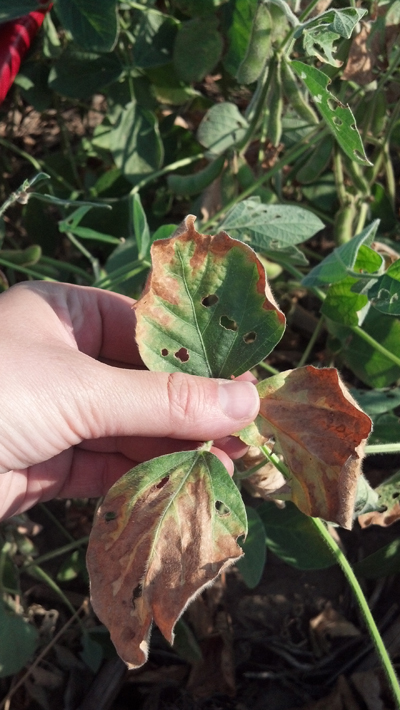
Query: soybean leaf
[[155, 40], [10, 10], [367, 499], [381, 563], [385, 294], [342, 303], [389, 497], [337, 265], [135, 142], [190, 318], [193, 184], [164, 532], [386, 429], [80, 74], [377, 401], [320, 431], [322, 32], [339, 118], [222, 127], [270, 227], [141, 228], [251, 565], [238, 33], [92, 652], [370, 366], [197, 48], [292, 536], [92, 23], [18, 642]]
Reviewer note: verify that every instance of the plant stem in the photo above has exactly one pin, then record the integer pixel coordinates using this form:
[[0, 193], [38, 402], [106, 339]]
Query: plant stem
[[364, 608], [311, 342], [39, 573], [269, 368], [354, 584], [56, 553], [383, 448], [94, 262], [26, 271], [182, 163], [288, 158]]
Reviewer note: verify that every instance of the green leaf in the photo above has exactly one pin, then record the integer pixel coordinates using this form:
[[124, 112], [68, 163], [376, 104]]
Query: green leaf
[[324, 30], [222, 127], [10, 9], [251, 566], [381, 563], [343, 304], [135, 143], [339, 118], [337, 265], [80, 74], [92, 652], [386, 429], [155, 40], [270, 227], [367, 499], [164, 532], [92, 23], [238, 33], [140, 227], [193, 184], [385, 294], [197, 49], [191, 320], [370, 366], [377, 401], [18, 641], [292, 536]]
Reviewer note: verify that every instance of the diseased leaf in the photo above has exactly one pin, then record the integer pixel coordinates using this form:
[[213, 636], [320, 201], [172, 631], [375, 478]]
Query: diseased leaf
[[337, 265], [320, 431], [164, 532], [320, 33], [339, 118], [191, 319], [389, 496], [270, 227]]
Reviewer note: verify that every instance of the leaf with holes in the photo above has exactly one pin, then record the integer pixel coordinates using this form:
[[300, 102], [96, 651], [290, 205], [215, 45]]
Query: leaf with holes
[[320, 431], [339, 118], [207, 308], [164, 532], [270, 227]]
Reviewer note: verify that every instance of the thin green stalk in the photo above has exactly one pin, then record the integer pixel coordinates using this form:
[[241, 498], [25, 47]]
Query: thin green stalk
[[268, 368], [339, 177], [364, 608], [94, 262], [266, 78], [355, 328], [311, 342], [39, 573], [65, 266], [39, 165], [354, 584], [289, 157], [306, 12], [25, 270], [383, 448], [182, 163], [57, 553], [43, 507]]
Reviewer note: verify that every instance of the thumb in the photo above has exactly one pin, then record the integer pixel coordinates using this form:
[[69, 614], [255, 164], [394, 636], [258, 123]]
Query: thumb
[[158, 404]]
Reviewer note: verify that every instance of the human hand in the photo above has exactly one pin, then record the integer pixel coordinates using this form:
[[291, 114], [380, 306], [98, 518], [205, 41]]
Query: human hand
[[78, 409]]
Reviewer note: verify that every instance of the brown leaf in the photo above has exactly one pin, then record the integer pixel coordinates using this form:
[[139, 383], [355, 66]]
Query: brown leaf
[[389, 494], [264, 482], [163, 533], [321, 432]]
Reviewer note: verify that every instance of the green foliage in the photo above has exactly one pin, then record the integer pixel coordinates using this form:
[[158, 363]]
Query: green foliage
[[251, 565], [18, 641]]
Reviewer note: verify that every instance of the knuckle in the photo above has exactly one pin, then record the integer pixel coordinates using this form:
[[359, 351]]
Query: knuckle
[[184, 399]]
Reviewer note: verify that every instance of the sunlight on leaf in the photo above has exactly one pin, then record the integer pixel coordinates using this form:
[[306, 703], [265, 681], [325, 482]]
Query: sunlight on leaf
[[164, 532], [321, 432], [191, 319]]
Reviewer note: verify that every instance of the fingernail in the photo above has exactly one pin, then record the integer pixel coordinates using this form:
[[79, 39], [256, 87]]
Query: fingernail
[[239, 400]]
